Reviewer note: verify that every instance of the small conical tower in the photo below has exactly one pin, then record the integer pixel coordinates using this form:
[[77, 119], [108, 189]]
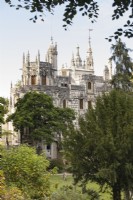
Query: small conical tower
[[78, 61], [106, 73], [89, 58], [38, 57], [28, 59], [72, 61], [51, 55], [73, 66], [24, 69]]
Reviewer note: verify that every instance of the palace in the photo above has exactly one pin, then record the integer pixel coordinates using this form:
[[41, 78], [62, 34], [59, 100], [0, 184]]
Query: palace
[[75, 86]]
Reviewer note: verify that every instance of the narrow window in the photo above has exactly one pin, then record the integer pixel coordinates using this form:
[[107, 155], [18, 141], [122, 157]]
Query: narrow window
[[81, 103], [44, 80], [89, 85], [89, 104], [64, 103], [33, 80]]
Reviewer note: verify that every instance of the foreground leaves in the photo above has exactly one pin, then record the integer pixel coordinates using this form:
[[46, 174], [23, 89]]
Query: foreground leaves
[[26, 170]]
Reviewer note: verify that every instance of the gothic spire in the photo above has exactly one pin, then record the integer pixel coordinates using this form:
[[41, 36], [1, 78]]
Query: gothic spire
[[23, 58], [28, 58], [78, 59], [89, 59], [72, 60], [38, 56]]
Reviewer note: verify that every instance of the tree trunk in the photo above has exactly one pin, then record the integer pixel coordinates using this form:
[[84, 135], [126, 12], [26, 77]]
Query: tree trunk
[[116, 192], [7, 142]]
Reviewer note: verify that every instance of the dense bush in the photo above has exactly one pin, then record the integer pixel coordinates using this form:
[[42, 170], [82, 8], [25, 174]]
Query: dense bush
[[26, 170], [69, 193], [10, 193], [58, 163]]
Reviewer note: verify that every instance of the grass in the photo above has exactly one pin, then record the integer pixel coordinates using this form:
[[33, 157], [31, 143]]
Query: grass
[[57, 182]]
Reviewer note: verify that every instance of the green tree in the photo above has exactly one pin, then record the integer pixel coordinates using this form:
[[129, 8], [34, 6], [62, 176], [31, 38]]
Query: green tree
[[101, 149], [87, 8], [3, 109], [3, 112], [122, 79], [26, 170], [69, 192], [38, 119], [2, 185]]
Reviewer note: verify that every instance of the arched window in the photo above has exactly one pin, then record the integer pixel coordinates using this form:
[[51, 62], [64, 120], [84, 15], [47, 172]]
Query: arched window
[[89, 104], [44, 80], [81, 103], [89, 85], [33, 80], [64, 103]]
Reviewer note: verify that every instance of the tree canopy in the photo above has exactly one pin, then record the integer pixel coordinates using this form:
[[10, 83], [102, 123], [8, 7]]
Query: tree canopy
[[122, 79], [89, 8], [38, 119], [101, 149], [3, 109]]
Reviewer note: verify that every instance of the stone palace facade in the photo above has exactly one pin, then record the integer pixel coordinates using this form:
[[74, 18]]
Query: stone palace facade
[[75, 86]]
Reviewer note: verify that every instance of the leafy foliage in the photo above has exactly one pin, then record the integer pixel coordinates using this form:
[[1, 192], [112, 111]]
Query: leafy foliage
[[36, 114], [87, 8], [2, 185], [122, 79], [3, 109], [101, 150], [10, 193], [69, 192], [58, 163], [26, 170]]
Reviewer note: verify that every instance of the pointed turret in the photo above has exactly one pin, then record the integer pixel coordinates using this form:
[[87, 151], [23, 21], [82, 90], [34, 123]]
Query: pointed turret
[[106, 73], [28, 59], [72, 61], [23, 59], [78, 61], [72, 67], [89, 58], [52, 53], [38, 56]]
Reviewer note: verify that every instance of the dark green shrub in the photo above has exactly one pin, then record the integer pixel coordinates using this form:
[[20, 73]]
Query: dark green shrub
[[69, 193], [93, 194], [58, 163]]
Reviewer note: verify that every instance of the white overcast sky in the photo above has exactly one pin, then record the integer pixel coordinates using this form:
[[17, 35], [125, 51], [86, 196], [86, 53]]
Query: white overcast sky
[[19, 35]]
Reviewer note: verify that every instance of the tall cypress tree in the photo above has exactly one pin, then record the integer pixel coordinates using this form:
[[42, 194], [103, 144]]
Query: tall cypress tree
[[122, 78]]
